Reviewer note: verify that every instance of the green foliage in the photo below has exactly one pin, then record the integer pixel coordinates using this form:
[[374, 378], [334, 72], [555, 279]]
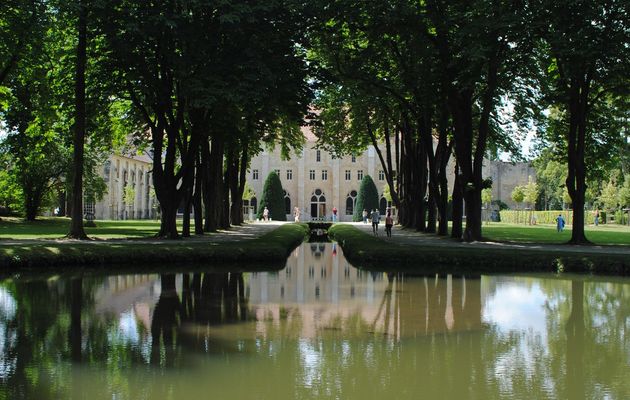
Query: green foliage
[[486, 195], [550, 176], [129, 196], [621, 217], [367, 199], [518, 194], [272, 198], [530, 192], [248, 192], [609, 196], [624, 192], [542, 217]]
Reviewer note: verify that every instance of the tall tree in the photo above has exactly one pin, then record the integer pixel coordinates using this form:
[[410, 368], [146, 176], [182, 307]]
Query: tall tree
[[78, 140], [588, 62]]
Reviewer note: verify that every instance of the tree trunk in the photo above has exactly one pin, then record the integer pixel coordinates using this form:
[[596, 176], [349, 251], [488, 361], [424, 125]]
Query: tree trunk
[[576, 177], [431, 214], [196, 200], [458, 206], [213, 187], [76, 225]]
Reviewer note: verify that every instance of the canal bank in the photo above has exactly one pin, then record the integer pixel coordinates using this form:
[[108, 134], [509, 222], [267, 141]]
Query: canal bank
[[432, 254], [259, 246]]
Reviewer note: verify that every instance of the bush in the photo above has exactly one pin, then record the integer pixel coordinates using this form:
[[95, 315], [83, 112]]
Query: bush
[[272, 198], [621, 217], [367, 198]]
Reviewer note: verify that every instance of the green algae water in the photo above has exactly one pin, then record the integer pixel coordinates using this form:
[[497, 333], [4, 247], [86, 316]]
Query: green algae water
[[318, 329]]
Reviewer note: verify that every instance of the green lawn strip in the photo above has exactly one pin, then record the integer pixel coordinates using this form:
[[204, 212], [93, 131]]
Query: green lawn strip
[[270, 249], [58, 227], [602, 234], [366, 251]]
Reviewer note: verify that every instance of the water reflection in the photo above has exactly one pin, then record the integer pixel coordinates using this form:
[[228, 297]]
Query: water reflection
[[317, 329]]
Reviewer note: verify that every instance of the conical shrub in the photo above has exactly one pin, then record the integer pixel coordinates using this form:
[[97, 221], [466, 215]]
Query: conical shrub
[[367, 198], [272, 198]]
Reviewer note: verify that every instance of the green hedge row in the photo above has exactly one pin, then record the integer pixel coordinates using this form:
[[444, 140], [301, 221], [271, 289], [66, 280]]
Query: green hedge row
[[549, 217], [542, 217]]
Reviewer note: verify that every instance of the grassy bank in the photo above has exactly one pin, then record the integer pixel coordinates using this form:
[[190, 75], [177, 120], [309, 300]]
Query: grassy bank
[[269, 250], [369, 252], [57, 227], [602, 234]]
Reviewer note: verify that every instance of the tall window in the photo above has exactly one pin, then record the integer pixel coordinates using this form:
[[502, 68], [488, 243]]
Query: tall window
[[381, 175], [318, 156], [351, 201], [277, 171], [354, 158], [348, 175], [324, 174], [311, 174], [287, 203], [255, 174], [360, 174], [289, 174]]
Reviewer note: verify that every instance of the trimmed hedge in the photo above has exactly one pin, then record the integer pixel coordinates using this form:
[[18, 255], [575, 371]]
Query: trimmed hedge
[[366, 200], [273, 199], [542, 217]]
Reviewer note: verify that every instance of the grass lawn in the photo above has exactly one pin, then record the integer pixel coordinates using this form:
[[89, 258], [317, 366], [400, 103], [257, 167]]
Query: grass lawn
[[603, 234], [56, 227], [366, 251]]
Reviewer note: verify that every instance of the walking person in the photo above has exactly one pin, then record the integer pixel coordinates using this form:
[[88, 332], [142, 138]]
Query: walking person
[[296, 214], [389, 222], [376, 217], [560, 223], [365, 216], [266, 214], [334, 214]]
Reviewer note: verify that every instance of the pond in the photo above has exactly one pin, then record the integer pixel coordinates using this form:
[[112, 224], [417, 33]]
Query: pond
[[318, 329]]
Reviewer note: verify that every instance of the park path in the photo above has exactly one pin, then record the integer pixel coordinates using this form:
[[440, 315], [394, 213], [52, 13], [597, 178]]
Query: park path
[[235, 234], [413, 238]]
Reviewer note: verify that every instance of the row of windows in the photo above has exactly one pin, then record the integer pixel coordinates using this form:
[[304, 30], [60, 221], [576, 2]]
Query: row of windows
[[311, 174], [318, 156]]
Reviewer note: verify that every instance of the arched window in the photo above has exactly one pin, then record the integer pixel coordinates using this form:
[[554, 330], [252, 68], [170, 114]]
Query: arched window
[[318, 204], [351, 201], [382, 206], [253, 202], [287, 203]]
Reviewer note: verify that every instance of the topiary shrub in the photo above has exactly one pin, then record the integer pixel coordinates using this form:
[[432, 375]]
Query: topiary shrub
[[272, 198], [367, 198]]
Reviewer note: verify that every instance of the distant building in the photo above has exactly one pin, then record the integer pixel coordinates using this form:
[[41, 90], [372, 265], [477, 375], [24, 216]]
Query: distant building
[[131, 175], [313, 180], [316, 182]]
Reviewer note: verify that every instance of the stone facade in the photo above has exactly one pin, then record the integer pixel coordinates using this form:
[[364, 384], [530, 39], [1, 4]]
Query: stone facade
[[119, 172], [313, 180], [316, 182]]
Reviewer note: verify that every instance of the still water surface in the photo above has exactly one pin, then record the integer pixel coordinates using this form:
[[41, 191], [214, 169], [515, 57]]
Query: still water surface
[[318, 329]]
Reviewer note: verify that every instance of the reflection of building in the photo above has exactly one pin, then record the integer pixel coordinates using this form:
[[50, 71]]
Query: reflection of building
[[315, 181], [129, 193], [326, 293]]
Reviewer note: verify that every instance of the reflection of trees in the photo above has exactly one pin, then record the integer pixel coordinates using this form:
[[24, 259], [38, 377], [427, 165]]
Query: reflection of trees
[[425, 336]]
